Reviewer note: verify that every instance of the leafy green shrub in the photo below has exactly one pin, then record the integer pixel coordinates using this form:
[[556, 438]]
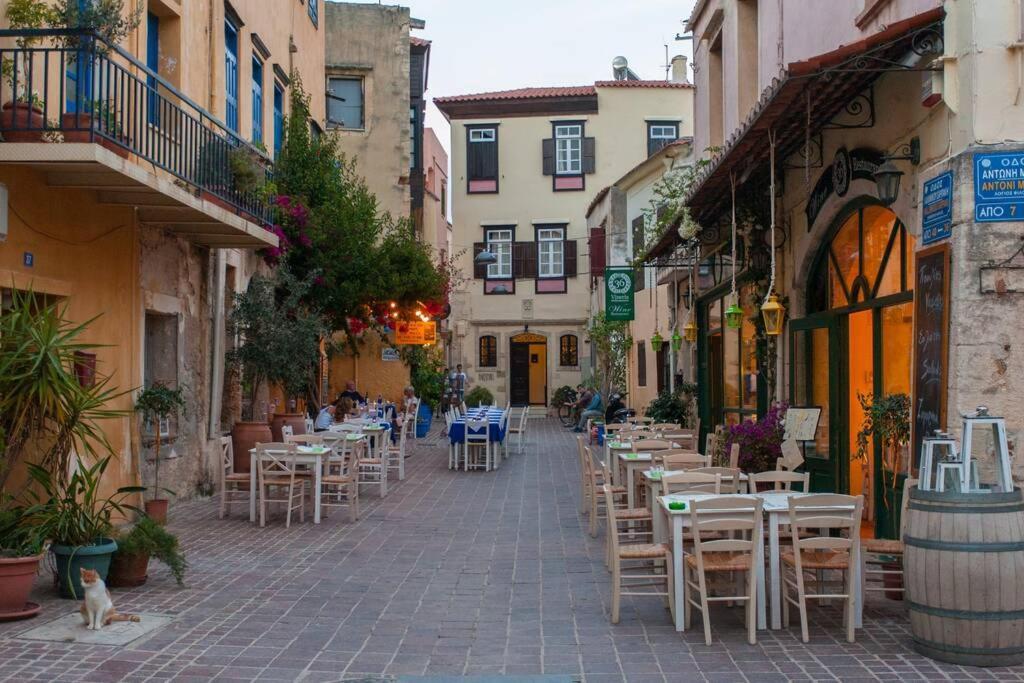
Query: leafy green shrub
[[673, 407], [17, 534], [479, 396], [148, 537], [563, 394]]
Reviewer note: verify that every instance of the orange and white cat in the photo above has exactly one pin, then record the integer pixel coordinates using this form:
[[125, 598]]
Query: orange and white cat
[[97, 607]]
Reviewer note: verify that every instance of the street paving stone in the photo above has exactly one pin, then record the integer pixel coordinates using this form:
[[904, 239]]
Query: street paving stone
[[470, 577]]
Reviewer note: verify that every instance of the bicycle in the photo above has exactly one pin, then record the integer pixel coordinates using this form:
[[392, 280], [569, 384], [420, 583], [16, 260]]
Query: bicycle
[[566, 412]]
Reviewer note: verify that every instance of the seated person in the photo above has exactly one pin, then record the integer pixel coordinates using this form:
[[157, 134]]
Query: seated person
[[351, 393], [324, 419], [406, 406], [344, 408], [582, 401], [592, 411]]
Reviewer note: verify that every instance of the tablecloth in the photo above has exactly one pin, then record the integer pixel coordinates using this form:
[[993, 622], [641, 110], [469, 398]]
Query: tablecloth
[[496, 427]]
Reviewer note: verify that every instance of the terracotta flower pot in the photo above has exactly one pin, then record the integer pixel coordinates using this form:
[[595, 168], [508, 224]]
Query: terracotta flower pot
[[17, 574], [244, 437], [22, 115], [77, 127], [156, 510], [296, 420], [128, 570]]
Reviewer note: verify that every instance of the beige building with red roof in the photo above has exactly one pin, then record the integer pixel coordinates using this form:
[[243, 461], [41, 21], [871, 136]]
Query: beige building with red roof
[[525, 165]]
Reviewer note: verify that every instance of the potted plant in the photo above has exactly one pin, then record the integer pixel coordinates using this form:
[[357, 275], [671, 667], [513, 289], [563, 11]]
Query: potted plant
[[98, 115], [280, 345], [156, 403], [146, 540], [21, 119], [760, 441], [675, 407], [20, 552], [77, 521]]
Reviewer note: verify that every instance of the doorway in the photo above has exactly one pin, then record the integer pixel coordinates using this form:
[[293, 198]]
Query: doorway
[[856, 342], [528, 369]]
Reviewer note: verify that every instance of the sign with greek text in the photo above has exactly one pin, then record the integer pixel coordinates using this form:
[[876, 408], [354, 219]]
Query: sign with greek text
[[931, 334], [937, 208], [618, 293], [416, 332], [998, 187]]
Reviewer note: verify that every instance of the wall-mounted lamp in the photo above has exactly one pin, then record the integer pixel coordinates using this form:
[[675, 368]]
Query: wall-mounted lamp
[[887, 175], [485, 258], [499, 289]]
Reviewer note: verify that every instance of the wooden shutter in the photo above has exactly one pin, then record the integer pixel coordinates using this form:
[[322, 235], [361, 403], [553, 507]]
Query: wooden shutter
[[489, 163], [570, 258], [589, 155], [524, 260], [598, 258], [547, 148], [641, 363], [479, 269], [638, 246]]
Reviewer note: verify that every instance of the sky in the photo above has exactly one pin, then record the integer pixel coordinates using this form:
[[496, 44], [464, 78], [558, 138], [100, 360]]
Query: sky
[[482, 45]]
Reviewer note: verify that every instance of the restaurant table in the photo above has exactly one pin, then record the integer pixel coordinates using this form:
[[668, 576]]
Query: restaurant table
[[307, 455], [652, 480], [496, 428], [776, 511], [632, 462]]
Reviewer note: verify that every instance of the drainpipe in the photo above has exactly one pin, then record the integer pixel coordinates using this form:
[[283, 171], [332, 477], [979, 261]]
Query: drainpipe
[[217, 361]]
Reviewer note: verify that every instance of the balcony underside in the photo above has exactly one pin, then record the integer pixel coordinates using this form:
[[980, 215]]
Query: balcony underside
[[160, 202]]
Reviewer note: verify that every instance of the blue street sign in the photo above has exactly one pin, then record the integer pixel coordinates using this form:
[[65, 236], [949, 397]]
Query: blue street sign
[[28, 259], [937, 208], [998, 187]]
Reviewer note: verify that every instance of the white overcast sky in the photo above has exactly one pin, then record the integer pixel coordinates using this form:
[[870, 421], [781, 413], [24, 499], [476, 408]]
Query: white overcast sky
[[481, 45]]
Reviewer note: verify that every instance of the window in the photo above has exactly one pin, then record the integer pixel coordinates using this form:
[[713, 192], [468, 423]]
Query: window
[[278, 117], [257, 100], [314, 11], [499, 243], [231, 75], [659, 134], [488, 351], [153, 62], [641, 363], [568, 350], [79, 87], [569, 149], [551, 252], [345, 102], [482, 159]]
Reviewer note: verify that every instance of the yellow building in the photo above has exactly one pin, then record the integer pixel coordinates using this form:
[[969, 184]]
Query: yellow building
[[525, 164], [120, 197]]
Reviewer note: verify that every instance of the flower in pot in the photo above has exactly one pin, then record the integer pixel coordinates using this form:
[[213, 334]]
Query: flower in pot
[[77, 521], [146, 540], [760, 441], [21, 549], [157, 403]]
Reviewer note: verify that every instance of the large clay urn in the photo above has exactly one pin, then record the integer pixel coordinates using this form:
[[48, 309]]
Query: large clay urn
[[297, 421], [244, 438]]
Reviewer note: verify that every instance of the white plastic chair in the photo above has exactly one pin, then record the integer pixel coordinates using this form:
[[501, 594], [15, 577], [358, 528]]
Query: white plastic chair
[[475, 441]]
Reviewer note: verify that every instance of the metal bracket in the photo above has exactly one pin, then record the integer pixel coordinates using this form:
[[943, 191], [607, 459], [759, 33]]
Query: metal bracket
[[859, 112], [1005, 277]]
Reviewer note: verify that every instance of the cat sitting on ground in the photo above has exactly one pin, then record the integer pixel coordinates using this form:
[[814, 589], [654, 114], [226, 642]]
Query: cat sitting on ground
[[97, 607]]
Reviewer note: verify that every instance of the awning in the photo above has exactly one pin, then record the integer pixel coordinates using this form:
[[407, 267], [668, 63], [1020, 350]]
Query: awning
[[817, 89]]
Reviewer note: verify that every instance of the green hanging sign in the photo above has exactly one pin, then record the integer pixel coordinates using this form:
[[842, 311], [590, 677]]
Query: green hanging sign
[[618, 293]]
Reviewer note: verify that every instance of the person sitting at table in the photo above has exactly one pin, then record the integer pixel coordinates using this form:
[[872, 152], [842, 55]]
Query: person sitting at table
[[351, 393], [324, 419], [584, 396], [406, 405], [344, 407], [592, 411]]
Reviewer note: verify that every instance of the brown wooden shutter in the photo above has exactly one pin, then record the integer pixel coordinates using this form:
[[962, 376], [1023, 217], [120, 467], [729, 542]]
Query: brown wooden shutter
[[524, 260], [598, 259], [638, 246], [570, 258], [547, 148], [589, 155], [479, 269]]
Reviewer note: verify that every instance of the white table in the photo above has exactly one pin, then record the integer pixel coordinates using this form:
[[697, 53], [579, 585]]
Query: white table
[[313, 457], [776, 510], [632, 462]]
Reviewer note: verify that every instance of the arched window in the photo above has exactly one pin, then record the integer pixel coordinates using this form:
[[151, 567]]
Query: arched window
[[488, 351], [568, 350]]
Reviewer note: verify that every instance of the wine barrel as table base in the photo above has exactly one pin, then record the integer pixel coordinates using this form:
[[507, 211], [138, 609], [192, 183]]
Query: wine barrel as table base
[[964, 559]]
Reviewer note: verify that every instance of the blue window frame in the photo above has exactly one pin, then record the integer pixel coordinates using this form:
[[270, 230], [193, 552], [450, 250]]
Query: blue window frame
[[257, 99], [314, 11], [278, 118], [231, 75], [153, 62], [79, 86]]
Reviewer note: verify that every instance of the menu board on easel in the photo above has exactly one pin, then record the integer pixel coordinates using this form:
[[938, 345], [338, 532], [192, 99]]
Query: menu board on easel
[[931, 342]]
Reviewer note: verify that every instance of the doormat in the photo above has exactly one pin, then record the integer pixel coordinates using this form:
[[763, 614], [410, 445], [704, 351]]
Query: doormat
[[71, 629]]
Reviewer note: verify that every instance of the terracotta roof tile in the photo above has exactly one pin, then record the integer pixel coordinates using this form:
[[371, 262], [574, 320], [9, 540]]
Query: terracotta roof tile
[[642, 84], [421, 42], [521, 94]]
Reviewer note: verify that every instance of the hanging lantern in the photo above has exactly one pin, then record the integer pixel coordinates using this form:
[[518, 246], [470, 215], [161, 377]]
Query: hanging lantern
[[734, 316], [677, 341], [773, 313], [690, 330], [656, 342]]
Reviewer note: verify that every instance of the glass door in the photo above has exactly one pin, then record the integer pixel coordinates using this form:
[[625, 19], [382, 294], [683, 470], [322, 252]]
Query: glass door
[[815, 381]]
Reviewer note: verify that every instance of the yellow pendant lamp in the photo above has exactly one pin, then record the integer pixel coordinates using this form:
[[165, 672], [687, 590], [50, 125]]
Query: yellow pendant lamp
[[772, 311]]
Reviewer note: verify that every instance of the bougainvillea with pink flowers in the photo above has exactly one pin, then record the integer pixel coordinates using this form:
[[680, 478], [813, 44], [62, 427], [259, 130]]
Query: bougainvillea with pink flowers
[[761, 440]]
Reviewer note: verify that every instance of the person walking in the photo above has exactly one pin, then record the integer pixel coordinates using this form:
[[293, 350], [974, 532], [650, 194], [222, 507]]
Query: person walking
[[459, 382]]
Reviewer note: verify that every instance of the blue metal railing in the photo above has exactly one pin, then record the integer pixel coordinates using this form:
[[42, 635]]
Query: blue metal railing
[[63, 83]]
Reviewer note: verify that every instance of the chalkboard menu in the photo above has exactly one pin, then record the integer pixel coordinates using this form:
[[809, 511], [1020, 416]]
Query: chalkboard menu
[[931, 340]]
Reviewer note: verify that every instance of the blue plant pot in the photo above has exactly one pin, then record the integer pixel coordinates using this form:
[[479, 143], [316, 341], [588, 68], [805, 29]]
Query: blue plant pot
[[423, 419], [71, 560]]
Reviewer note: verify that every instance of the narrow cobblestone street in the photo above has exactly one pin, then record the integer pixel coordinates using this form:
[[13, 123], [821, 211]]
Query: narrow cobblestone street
[[452, 574]]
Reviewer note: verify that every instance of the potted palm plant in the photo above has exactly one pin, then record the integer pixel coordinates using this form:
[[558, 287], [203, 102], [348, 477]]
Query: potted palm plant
[[147, 539], [77, 521], [20, 552], [157, 403]]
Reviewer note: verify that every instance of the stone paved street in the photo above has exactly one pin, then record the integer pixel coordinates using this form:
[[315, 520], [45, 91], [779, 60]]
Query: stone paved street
[[452, 574]]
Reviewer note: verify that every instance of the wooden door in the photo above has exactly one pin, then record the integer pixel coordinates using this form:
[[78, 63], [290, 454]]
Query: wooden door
[[538, 374], [519, 374]]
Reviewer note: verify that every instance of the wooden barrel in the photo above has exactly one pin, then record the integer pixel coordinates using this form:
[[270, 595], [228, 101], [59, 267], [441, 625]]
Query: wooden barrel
[[964, 576]]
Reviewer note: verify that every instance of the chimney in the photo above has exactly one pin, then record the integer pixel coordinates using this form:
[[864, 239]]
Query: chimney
[[679, 74]]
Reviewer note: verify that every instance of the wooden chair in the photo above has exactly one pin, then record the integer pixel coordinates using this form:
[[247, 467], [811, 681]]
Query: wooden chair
[[287, 430], [582, 451], [686, 438], [232, 484], [644, 445], [370, 466], [595, 479], [473, 444], [339, 486], [279, 481], [781, 480], [645, 420], [681, 460], [640, 560], [517, 428], [690, 482], [813, 556], [662, 426], [394, 453], [726, 536], [883, 557], [732, 481], [610, 429], [303, 439], [734, 456]]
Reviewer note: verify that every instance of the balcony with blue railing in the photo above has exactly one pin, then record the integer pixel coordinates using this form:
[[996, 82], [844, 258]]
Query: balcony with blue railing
[[63, 87]]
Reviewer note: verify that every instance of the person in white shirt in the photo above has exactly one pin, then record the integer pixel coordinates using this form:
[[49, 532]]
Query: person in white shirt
[[324, 419]]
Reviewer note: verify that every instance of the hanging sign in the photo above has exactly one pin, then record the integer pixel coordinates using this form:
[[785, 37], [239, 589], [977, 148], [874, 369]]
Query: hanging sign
[[931, 339], [416, 332], [937, 208], [618, 293], [847, 166], [998, 187]]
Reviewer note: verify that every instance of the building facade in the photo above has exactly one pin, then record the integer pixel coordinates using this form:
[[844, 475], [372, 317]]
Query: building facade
[[524, 166], [896, 180]]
